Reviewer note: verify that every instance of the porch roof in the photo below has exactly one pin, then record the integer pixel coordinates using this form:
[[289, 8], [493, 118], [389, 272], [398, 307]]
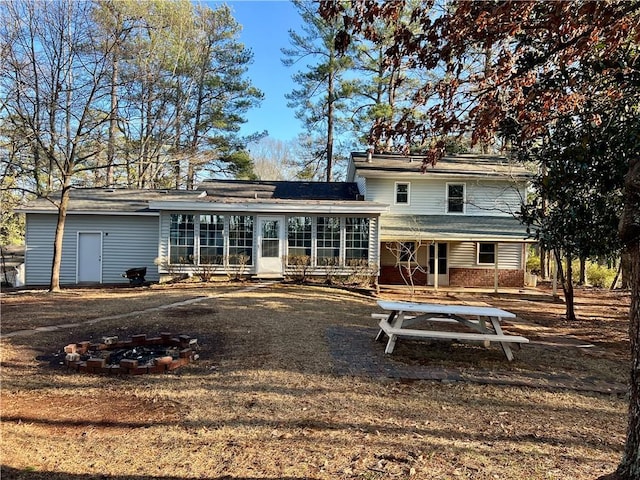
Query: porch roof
[[447, 228]]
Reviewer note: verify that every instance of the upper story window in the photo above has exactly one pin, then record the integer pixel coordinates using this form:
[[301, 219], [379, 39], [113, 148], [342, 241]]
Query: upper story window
[[455, 197], [402, 193], [486, 253]]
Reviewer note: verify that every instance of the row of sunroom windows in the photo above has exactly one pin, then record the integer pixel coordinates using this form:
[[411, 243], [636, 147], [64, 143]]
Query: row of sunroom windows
[[210, 239]]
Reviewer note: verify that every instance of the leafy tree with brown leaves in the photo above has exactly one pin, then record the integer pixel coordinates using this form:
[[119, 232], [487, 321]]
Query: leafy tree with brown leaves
[[530, 82]]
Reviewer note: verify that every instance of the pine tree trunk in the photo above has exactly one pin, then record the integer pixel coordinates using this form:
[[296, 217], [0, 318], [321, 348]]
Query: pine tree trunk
[[113, 119]]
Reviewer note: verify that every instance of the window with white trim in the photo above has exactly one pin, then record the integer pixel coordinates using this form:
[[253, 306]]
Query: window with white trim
[[299, 239], [181, 239], [486, 253], [455, 197], [356, 239], [211, 240], [328, 241], [240, 240], [402, 193]]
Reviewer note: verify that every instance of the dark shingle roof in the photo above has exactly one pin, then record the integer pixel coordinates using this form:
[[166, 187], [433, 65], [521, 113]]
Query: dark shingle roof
[[461, 164], [109, 200], [279, 190]]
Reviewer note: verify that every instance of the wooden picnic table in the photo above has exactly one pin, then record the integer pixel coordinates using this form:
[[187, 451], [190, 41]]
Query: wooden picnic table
[[403, 314]]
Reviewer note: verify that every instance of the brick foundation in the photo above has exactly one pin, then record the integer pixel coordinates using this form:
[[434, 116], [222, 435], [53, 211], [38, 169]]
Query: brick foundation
[[484, 277], [390, 275]]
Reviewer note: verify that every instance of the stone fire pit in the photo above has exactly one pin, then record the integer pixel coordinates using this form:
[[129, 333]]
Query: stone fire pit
[[137, 356]]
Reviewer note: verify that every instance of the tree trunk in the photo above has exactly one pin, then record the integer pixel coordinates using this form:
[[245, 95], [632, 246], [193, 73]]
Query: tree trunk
[[57, 243], [330, 115], [615, 279], [583, 271], [113, 118], [625, 267], [567, 284], [544, 264], [629, 468]]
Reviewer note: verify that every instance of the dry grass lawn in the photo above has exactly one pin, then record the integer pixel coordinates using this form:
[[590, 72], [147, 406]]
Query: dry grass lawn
[[270, 398]]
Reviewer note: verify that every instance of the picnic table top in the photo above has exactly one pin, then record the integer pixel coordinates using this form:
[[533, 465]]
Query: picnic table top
[[444, 309]]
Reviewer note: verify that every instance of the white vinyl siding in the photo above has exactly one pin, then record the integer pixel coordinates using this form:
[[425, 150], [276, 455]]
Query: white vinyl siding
[[464, 255], [127, 242], [429, 196]]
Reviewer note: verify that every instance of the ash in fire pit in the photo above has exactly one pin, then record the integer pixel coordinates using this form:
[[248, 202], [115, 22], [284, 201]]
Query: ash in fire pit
[[136, 356]]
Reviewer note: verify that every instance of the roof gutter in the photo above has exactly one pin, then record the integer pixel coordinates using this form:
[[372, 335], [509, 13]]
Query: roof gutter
[[262, 207]]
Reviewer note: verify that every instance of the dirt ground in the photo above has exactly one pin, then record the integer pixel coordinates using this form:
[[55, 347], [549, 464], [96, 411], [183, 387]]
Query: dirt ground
[[291, 384]]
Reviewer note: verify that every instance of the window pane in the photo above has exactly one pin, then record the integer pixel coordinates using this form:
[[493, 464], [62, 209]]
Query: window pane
[[487, 253], [357, 238], [298, 239], [402, 193], [211, 239], [270, 239], [181, 239], [328, 238], [455, 198], [241, 240]]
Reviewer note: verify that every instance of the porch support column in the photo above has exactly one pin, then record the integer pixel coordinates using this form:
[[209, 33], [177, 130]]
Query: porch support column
[[435, 266], [495, 271]]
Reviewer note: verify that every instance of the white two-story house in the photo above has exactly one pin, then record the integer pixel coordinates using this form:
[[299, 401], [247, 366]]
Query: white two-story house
[[462, 209], [453, 224]]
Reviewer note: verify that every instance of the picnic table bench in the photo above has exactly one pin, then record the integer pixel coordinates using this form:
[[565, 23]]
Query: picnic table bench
[[394, 323]]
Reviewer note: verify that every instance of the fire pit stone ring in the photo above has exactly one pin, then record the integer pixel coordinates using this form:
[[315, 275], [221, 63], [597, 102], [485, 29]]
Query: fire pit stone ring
[[136, 356]]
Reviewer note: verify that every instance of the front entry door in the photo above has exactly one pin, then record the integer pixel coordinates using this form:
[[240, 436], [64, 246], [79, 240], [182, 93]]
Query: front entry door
[[89, 264], [441, 265], [270, 246]]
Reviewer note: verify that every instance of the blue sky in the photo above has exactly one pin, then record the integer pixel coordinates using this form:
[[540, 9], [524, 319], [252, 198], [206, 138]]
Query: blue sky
[[265, 30]]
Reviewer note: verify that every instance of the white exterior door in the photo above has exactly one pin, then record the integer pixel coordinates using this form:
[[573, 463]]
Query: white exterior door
[[441, 266], [270, 245], [89, 262]]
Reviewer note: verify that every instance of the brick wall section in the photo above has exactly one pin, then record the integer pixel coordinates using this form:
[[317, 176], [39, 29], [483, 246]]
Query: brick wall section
[[484, 277], [458, 277], [390, 275]]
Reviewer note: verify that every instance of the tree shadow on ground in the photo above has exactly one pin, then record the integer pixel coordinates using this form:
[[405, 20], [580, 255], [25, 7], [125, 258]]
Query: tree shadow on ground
[[10, 473]]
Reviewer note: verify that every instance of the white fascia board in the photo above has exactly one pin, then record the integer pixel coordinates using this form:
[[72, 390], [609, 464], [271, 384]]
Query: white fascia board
[[448, 239], [89, 212], [368, 207], [445, 175]]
